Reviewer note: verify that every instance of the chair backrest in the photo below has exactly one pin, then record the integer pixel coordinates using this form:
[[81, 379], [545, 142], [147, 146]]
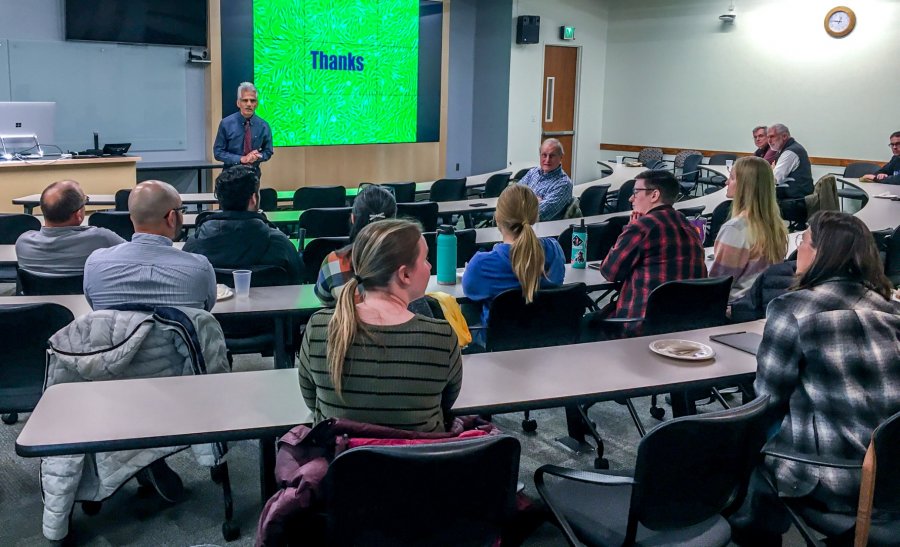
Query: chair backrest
[[330, 222], [521, 173], [496, 184], [692, 212], [690, 168], [442, 494], [264, 275], [426, 212], [34, 284], [12, 225], [692, 468], [859, 168], [448, 190], [601, 237], [465, 248], [593, 200], [720, 159], [122, 199], [887, 475], [117, 221], [650, 157], [623, 202], [719, 217], [892, 257], [319, 197], [552, 319], [268, 199], [687, 304], [681, 158], [404, 192], [316, 251], [24, 330]]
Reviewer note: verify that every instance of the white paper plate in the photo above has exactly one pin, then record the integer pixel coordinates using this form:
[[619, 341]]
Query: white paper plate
[[686, 350], [223, 292]]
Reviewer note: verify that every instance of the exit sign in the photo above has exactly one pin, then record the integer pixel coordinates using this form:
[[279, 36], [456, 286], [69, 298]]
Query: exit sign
[[566, 33]]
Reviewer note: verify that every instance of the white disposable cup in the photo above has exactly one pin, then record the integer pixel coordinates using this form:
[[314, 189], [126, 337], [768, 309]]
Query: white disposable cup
[[620, 159], [728, 164], [242, 283]]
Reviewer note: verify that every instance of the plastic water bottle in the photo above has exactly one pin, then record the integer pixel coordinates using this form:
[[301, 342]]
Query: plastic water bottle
[[579, 245], [446, 255]]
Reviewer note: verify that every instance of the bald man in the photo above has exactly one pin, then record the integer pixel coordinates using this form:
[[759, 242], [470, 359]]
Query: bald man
[[62, 245], [549, 182], [148, 270]]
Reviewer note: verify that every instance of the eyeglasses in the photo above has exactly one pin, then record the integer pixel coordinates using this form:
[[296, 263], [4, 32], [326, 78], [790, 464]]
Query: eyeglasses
[[894, 145], [182, 210], [636, 190]]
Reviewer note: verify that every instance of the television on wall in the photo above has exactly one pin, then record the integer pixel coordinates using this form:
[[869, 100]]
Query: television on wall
[[158, 22]]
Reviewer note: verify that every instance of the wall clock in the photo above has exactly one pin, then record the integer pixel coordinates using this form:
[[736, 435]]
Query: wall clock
[[840, 22]]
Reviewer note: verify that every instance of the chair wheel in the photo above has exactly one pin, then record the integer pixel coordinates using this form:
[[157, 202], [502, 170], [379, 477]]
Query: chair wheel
[[91, 507], [601, 463], [230, 531], [217, 474], [529, 426], [10, 418], [657, 412]]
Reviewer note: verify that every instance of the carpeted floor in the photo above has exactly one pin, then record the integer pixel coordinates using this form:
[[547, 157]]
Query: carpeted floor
[[128, 518]]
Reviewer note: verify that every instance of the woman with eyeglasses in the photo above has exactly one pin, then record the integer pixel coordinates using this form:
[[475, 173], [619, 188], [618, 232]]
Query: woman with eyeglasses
[[830, 362], [755, 237]]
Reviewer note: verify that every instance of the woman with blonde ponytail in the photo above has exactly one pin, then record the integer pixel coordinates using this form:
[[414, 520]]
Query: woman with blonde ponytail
[[372, 360], [521, 260]]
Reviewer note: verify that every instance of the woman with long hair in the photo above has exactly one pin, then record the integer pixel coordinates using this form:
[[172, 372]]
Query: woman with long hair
[[830, 362], [372, 360], [755, 237], [521, 260]]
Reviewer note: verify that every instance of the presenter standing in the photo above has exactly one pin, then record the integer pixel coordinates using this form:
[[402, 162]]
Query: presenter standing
[[243, 137]]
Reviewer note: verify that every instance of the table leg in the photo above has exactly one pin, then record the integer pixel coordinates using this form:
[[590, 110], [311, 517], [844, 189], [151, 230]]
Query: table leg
[[283, 357], [682, 404], [266, 468]]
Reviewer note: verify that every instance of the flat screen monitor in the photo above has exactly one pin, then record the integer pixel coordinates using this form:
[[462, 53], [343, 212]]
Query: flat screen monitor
[[163, 22], [27, 118]]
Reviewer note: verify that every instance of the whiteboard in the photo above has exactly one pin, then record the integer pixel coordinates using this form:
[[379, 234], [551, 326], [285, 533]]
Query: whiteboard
[[126, 93]]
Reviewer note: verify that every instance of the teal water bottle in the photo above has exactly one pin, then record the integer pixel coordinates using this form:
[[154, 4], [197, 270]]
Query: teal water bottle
[[579, 245], [446, 255]]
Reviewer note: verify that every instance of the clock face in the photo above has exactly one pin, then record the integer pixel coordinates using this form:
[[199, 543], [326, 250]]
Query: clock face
[[839, 21]]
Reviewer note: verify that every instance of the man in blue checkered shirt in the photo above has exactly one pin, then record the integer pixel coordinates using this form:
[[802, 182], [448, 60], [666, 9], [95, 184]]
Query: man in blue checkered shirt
[[549, 182]]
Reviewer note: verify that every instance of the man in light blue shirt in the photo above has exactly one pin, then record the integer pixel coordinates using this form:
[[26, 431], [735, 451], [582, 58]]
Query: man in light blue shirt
[[148, 270], [549, 182]]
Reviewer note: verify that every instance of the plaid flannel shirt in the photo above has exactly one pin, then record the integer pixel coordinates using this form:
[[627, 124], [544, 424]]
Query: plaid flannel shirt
[[658, 247], [830, 362], [336, 271]]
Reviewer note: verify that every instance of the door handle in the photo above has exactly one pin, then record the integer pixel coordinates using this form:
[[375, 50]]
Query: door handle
[[557, 133]]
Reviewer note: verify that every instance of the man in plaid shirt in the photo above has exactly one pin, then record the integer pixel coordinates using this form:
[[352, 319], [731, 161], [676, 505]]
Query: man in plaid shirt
[[549, 182], [657, 246]]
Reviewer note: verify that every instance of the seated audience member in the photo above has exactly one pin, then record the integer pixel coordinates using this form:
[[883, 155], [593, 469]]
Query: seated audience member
[[890, 171], [549, 182], [658, 245], [372, 203], [238, 236], [761, 140], [147, 270], [755, 237], [62, 245], [521, 260], [372, 360], [830, 362], [792, 162]]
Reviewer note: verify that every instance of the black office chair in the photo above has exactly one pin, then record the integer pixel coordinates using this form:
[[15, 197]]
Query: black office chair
[[12, 225], [248, 334], [673, 306], [25, 330], [651, 158], [330, 222], [404, 192], [688, 471], [692, 212], [268, 199], [439, 494], [520, 173], [720, 216], [316, 251], [623, 197], [721, 159], [122, 199], [496, 184], [689, 177], [593, 200], [714, 179], [601, 237], [552, 319], [116, 221], [892, 257], [35, 284], [319, 197], [465, 248], [859, 168], [426, 212], [883, 476], [448, 190]]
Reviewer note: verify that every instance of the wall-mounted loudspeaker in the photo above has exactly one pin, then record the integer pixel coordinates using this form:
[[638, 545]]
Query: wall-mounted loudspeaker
[[528, 29]]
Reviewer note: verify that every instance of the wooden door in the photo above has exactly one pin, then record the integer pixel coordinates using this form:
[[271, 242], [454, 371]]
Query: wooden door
[[558, 106]]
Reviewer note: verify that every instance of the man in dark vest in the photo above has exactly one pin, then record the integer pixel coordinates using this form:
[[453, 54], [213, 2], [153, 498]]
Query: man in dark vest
[[792, 162]]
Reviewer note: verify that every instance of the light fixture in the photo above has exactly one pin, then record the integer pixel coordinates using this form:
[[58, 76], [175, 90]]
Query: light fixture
[[730, 16]]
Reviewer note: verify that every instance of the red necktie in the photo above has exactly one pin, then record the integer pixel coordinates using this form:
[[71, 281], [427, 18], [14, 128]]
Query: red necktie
[[247, 145]]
